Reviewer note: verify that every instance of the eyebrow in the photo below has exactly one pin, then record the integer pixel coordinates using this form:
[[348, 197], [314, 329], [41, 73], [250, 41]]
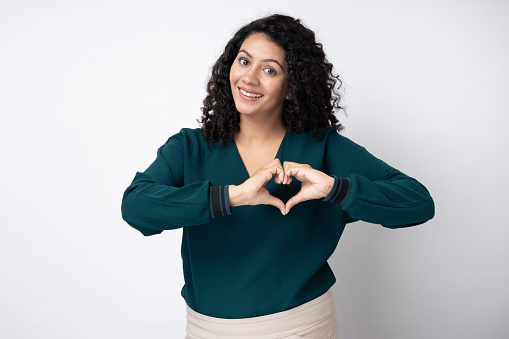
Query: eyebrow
[[271, 60]]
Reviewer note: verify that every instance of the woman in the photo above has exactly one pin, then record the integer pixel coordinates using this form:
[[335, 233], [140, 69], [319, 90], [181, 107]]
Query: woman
[[255, 240]]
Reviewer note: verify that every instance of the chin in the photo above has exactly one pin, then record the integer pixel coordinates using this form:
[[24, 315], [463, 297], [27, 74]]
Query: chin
[[245, 110]]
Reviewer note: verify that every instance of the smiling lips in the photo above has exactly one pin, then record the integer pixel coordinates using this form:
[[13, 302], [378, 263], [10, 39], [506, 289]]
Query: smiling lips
[[250, 94]]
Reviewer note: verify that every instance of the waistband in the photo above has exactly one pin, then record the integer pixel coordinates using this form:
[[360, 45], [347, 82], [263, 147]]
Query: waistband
[[268, 326]]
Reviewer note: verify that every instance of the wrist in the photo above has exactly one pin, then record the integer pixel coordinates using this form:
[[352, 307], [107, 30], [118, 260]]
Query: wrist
[[339, 192], [329, 186], [236, 196]]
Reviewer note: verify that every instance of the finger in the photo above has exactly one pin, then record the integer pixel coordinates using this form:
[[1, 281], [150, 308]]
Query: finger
[[288, 179], [298, 172], [267, 174], [295, 169], [274, 163], [278, 174], [277, 177], [294, 201], [290, 164], [286, 166], [277, 203], [272, 170], [281, 173]]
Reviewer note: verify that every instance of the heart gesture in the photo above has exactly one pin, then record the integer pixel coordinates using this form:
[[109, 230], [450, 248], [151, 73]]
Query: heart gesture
[[315, 185]]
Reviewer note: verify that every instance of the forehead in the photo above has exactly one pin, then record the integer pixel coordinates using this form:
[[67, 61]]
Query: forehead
[[260, 46]]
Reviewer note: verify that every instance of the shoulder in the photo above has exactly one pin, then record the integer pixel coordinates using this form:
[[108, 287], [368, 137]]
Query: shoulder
[[338, 142], [194, 137], [187, 139], [186, 136], [188, 133], [191, 144]]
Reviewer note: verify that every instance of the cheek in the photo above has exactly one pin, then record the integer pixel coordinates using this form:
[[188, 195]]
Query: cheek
[[281, 89], [234, 76], [286, 91]]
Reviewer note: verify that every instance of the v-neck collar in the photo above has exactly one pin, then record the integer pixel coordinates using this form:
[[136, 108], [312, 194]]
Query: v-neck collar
[[279, 155]]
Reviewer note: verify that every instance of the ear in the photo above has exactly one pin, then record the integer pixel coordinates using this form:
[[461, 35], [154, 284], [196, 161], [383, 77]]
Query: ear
[[288, 95]]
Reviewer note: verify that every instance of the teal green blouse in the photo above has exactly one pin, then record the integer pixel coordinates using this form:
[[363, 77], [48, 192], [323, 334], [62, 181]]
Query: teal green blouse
[[250, 261]]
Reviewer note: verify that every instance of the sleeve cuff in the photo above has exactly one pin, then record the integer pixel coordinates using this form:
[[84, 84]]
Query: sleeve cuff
[[339, 191], [219, 203]]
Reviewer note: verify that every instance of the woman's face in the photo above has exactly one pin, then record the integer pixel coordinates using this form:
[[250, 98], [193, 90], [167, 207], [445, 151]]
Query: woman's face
[[259, 77]]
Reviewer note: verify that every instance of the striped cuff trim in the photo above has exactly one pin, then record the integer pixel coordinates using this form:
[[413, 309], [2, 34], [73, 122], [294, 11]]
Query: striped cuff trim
[[339, 191], [219, 204]]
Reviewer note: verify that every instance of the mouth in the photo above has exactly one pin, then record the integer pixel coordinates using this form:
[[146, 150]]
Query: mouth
[[249, 94]]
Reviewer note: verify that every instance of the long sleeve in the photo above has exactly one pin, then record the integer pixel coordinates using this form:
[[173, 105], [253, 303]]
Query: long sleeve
[[370, 190], [158, 200], [230, 261]]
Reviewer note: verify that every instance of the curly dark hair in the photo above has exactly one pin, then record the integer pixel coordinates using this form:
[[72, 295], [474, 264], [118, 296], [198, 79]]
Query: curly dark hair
[[314, 88]]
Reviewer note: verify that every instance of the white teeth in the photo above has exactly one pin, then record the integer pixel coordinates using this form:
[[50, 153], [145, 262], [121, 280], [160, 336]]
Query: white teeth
[[251, 95]]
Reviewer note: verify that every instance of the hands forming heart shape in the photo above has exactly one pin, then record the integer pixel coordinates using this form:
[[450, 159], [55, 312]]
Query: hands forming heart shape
[[315, 185]]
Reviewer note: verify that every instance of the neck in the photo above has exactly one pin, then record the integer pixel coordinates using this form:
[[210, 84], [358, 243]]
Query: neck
[[258, 131]]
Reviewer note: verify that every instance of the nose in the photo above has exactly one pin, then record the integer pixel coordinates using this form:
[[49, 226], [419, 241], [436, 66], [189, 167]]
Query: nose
[[250, 77]]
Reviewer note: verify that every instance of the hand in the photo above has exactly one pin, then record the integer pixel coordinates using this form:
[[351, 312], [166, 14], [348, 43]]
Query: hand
[[253, 191], [315, 184]]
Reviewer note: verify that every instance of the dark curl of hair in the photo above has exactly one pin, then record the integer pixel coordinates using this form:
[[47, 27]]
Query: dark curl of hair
[[314, 88]]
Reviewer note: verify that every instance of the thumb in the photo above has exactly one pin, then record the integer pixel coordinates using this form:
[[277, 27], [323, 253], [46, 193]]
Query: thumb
[[277, 203], [297, 198]]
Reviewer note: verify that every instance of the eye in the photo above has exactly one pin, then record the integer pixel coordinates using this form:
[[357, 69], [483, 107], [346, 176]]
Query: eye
[[243, 62], [270, 71]]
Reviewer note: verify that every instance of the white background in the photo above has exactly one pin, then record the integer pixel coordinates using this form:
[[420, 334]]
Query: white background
[[89, 90]]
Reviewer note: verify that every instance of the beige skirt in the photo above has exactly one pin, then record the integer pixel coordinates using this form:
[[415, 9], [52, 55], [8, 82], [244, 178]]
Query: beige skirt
[[312, 320]]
